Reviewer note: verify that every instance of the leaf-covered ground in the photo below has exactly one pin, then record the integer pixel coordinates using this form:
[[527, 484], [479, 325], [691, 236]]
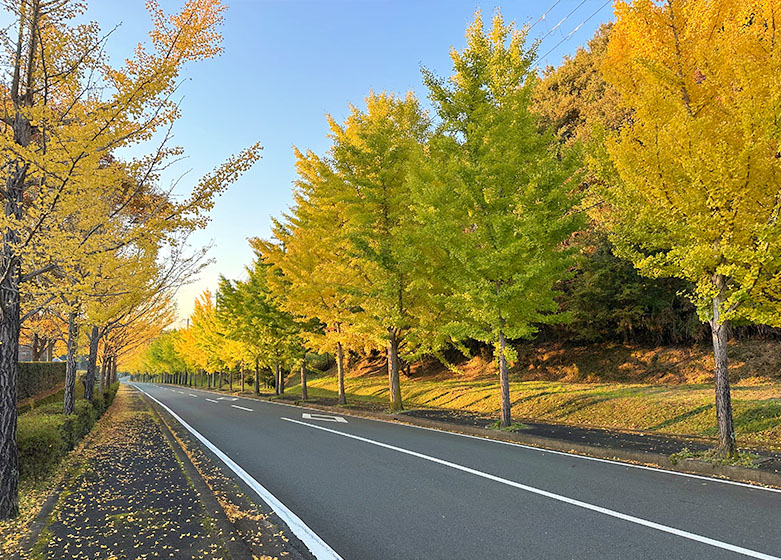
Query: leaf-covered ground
[[139, 487], [671, 409], [131, 499]]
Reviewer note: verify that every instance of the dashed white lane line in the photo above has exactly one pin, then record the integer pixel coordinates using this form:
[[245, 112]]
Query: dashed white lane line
[[544, 450], [311, 540], [558, 497], [241, 407], [211, 400], [193, 396]]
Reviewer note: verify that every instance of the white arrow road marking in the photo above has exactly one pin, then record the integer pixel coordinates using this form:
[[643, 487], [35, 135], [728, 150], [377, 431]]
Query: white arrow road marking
[[241, 407], [211, 400], [558, 497], [323, 417]]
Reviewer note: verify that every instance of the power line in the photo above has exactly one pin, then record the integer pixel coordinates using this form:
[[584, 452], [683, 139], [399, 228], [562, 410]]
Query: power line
[[571, 33], [555, 27], [542, 17]]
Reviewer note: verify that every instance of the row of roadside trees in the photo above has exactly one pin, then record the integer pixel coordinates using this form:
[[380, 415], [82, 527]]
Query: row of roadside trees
[[93, 245], [418, 232]]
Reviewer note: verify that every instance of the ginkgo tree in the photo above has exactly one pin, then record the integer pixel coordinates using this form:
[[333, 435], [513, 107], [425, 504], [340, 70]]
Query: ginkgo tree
[[201, 342], [493, 197], [696, 172], [255, 316], [370, 156], [310, 249]]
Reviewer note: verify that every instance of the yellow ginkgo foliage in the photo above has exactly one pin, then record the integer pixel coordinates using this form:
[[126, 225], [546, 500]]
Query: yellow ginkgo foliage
[[697, 169]]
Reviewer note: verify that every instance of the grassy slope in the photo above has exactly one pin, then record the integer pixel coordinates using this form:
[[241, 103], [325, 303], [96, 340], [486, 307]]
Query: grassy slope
[[668, 393]]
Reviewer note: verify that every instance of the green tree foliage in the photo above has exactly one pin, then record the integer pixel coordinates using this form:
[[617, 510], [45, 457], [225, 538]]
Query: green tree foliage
[[494, 196], [162, 356], [608, 300], [252, 315], [370, 156], [574, 97]]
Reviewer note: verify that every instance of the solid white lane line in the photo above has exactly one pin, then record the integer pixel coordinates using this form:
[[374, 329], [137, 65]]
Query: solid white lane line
[[553, 496], [241, 407], [539, 449], [586, 457], [311, 540], [211, 400]]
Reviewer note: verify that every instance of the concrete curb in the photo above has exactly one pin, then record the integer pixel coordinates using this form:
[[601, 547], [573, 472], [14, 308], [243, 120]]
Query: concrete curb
[[647, 458], [234, 543], [690, 466]]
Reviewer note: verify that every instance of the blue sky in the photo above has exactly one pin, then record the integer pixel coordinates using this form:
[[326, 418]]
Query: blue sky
[[286, 64]]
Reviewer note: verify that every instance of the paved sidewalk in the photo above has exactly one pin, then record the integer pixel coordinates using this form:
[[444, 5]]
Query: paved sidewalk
[[138, 496]]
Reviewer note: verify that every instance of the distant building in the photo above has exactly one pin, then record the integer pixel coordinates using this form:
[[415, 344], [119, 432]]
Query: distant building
[[25, 353]]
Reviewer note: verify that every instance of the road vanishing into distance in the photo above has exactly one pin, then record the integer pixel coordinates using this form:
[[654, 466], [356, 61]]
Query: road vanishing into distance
[[362, 489]]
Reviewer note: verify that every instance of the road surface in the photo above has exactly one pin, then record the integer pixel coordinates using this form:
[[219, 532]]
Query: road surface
[[361, 489]]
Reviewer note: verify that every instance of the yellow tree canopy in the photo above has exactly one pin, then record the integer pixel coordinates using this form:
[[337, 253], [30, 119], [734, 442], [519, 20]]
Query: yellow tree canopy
[[698, 167]]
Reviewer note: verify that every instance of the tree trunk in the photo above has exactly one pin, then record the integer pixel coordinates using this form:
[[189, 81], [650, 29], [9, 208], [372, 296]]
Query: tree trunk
[[9, 370], [257, 377], [242, 377], [35, 349], [230, 380], [720, 335], [92, 363], [113, 369], [303, 379], [70, 363], [10, 264], [504, 383], [393, 371], [340, 373], [103, 369], [281, 380]]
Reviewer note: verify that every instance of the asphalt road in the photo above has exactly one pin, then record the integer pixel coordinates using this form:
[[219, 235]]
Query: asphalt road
[[377, 490]]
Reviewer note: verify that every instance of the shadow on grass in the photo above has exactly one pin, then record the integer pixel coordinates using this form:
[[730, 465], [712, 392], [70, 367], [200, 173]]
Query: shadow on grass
[[759, 417], [681, 417]]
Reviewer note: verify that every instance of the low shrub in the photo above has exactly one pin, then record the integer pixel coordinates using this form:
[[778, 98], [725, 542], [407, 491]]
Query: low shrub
[[40, 443], [45, 434]]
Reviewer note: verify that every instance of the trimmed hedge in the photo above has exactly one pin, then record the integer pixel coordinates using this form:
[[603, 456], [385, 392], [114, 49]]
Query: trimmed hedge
[[37, 377], [40, 443], [45, 435]]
